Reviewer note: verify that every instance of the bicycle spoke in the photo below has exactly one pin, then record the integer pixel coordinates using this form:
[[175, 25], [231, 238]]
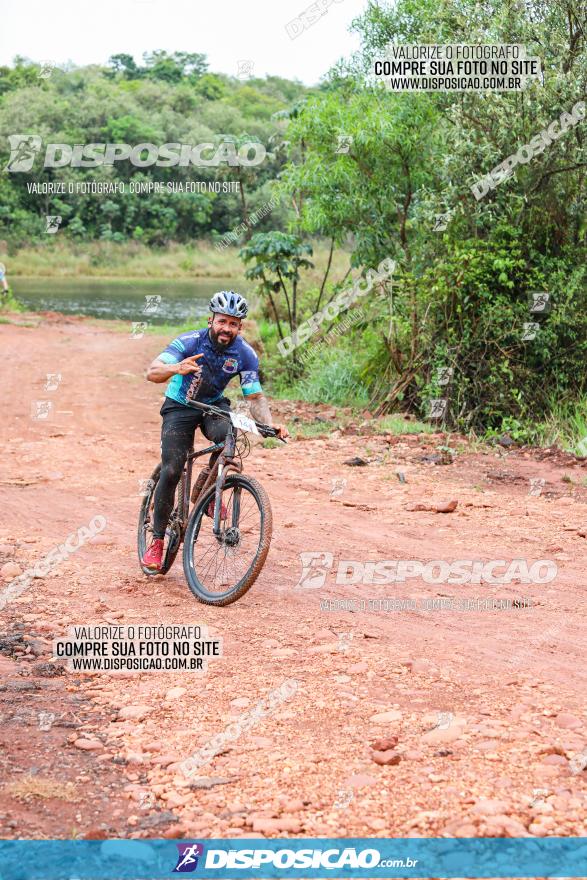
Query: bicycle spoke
[[220, 565]]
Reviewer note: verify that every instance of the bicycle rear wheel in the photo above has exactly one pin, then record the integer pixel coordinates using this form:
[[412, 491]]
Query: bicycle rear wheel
[[221, 568], [145, 527]]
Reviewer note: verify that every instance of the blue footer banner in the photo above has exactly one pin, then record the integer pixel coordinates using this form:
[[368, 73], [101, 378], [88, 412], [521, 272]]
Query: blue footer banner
[[308, 857]]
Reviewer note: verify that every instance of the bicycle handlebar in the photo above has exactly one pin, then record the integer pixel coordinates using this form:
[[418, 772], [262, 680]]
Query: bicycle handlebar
[[264, 430]]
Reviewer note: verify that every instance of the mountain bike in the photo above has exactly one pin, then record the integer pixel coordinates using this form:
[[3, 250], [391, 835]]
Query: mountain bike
[[227, 534]]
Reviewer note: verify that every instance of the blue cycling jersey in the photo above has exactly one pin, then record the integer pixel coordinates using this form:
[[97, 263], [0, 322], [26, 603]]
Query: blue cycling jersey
[[219, 366]]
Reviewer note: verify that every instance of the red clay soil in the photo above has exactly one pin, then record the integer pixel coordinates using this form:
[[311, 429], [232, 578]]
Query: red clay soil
[[405, 723]]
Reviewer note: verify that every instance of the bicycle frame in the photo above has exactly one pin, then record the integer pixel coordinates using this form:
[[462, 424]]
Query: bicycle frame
[[226, 462], [183, 503]]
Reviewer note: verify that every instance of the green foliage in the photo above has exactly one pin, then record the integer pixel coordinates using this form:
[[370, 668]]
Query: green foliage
[[9, 303], [459, 298], [170, 98], [398, 425], [333, 379], [275, 260]]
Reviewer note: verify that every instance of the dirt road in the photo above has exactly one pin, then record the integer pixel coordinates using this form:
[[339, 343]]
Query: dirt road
[[485, 704]]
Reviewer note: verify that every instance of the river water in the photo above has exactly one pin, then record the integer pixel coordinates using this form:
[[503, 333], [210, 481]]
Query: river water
[[127, 300]]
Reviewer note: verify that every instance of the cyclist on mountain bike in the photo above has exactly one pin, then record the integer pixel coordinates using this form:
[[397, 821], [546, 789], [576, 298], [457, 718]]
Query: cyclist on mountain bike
[[200, 364]]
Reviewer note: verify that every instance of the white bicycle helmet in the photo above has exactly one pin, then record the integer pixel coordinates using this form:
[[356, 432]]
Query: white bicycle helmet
[[227, 302]]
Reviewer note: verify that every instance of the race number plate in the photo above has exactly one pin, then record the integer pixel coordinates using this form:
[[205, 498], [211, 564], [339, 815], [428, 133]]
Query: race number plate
[[244, 423]]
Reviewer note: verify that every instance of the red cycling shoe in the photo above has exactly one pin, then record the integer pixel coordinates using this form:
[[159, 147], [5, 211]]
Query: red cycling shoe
[[154, 555]]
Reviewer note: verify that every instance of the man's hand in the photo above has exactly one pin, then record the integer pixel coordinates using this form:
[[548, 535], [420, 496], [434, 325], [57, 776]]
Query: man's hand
[[161, 372], [188, 365], [282, 431]]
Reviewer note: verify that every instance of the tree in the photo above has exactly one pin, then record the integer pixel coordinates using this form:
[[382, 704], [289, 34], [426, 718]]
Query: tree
[[276, 259], [377, 168], [124, 64]]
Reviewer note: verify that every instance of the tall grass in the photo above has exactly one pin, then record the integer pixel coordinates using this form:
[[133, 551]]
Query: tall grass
[[66, 258], [566, 426], [63, 257], [334, 379]]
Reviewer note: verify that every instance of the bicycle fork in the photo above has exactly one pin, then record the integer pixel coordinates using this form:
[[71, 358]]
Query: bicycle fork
[[226, 462]]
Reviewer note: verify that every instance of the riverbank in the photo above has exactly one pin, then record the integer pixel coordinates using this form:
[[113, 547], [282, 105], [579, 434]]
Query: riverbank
[[106, 259], [63, 258]]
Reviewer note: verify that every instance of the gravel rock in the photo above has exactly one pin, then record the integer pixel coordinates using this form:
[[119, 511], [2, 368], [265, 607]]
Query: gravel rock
[[272, 826], [133, 713], [568, 721], [376, 824], [88, 745], [293, 806], [439, 735], [360, 780], [10, 570], [240, 702], [384, 743], [385, 758], [490, 807], [386, 717]]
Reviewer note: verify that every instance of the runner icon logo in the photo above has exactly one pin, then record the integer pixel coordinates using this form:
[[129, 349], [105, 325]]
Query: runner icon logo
[[187, 860]]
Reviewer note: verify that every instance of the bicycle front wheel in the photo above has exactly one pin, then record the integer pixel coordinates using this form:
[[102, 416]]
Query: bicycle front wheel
[[221, 568]]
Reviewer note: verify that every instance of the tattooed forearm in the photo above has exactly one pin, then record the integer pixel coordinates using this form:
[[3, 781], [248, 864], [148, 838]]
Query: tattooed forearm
[[260, 410]]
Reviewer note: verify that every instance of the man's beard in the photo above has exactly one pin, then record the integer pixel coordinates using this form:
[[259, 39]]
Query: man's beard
[[217, 342]]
